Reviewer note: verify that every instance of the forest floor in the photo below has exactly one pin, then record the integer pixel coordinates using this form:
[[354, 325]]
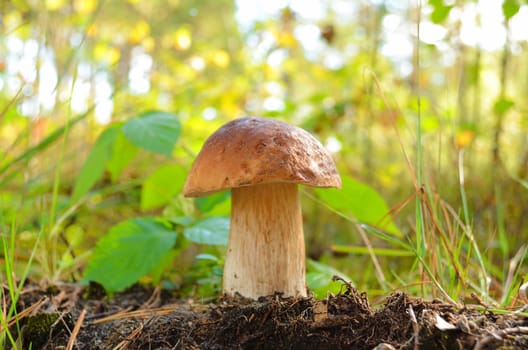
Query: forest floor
[[73, 317]]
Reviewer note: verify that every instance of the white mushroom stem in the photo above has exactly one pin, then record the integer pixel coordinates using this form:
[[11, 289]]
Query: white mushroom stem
[[265, 253]]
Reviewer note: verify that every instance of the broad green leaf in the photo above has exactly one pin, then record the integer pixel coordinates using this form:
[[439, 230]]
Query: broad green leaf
[[156, 132], [359, 200], [180, 220], [129, 251], [316, 280], [510, 8], [207, 203], [94, 165], [212, 230], [163, 265], [158, 189], [319, 277], [221, 209], [122, 154], [328, 270]]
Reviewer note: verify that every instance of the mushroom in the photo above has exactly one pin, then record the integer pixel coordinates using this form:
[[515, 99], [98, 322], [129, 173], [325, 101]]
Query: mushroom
[[262, 161]]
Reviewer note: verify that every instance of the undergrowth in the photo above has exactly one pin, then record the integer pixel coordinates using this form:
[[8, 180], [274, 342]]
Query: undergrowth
[[441, 251]]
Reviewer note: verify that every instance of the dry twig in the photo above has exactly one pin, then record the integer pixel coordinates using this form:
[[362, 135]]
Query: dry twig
[[499, 336]]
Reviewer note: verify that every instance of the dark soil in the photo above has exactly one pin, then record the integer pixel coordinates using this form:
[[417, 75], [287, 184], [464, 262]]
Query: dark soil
[[143, 318]]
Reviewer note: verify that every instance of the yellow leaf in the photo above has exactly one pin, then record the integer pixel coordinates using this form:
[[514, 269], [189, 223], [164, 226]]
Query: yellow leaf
[[270, 72], [53, 5], [84, 7], [140, 31], [220, 58], [148, 44], [464, 138], [91, 30], [286, 39], [106, 54]]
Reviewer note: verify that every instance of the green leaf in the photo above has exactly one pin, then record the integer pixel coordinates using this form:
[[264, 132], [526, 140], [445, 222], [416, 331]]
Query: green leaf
[[213, 230], [94, 165], [161, 186], [319, 277], [502, 105], [359, 200], [179, 220], [430, 123], [129, 251], [325, 269], [156, 132], [207, 203], [122, 154], [510, 8], [163, 265], [440, 13], [316, 280]]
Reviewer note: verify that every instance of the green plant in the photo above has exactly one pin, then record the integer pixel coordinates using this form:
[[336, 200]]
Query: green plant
[[461, 117], [144, 246], [15, 279]]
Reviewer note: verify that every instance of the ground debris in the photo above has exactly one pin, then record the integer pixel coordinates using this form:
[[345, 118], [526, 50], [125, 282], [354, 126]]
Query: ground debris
[[143, 318]]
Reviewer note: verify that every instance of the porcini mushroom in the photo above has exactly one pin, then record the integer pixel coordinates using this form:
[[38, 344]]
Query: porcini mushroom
[[262, 161]]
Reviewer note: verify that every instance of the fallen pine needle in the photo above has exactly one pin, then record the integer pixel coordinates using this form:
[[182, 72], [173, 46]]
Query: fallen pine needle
[[30, 309], [76, 329]]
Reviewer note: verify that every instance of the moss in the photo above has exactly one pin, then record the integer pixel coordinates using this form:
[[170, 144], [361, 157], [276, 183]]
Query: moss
[[37, 329]]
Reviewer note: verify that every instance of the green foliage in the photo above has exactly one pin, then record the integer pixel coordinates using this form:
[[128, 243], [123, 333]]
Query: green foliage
[[320, 278], [157, 132], [15, 279], [206, 204], [502, 105], [94, 166], [440, 11], [128, 252], [153, 131], [397, 123], [33, 151], [510, 8], [212, 230], [121, 155], [162, 185], [361, 202]]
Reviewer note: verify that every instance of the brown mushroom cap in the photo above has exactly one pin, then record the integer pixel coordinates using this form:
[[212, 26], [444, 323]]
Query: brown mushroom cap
[[250, 151]]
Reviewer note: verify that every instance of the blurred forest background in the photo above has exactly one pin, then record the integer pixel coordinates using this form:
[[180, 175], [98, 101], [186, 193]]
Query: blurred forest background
[[425, 102]]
